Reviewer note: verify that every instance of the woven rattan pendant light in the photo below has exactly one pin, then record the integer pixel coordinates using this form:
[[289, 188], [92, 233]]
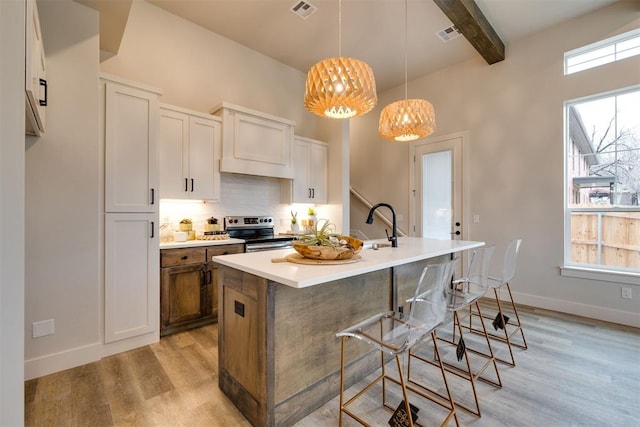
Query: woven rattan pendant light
[[409, 119], [340, 88]]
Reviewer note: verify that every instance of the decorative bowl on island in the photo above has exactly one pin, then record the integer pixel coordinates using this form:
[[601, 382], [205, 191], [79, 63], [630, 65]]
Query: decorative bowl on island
[[322, 244]]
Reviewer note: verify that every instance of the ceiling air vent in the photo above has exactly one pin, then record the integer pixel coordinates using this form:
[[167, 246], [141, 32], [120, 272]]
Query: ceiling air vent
[[449, 33], [303, 9]]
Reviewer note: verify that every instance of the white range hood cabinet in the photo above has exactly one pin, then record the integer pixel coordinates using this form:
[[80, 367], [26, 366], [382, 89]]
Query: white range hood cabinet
[[255, 143]]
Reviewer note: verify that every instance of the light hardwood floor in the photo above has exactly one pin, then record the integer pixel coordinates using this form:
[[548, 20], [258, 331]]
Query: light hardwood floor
[[576, 372]]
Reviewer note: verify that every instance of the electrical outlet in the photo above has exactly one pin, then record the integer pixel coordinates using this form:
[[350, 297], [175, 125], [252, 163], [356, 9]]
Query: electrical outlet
[[476, 218], [626, 293], [43, 328]]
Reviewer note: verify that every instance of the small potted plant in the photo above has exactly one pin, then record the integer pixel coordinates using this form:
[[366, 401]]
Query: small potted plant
[[294, 221], [185, 225], [311, 213]]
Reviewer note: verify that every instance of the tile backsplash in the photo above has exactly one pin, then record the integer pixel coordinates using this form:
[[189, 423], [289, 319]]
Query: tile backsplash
[[240, 195]]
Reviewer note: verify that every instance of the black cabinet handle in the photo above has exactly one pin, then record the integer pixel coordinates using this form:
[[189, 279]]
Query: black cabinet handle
[[186, 184], [184, 257], [152, 230], [202, 274], [192, 184], [153, 196], [209, 277], [313, 193], [457, 233], [43, 102]]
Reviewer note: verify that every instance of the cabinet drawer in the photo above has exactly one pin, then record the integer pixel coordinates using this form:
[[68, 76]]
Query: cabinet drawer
[[182, 256], [224, 250]]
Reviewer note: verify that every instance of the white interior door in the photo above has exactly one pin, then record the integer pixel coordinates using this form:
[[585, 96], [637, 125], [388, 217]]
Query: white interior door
[[438, 188]]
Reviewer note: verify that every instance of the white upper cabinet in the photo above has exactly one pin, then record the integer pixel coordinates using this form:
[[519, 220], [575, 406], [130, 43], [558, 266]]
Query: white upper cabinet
[[35, 73], [131, 159], [255, 143], [189, 154], [310, 182]]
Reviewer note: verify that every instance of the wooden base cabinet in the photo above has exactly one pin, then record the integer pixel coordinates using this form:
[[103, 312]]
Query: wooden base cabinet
[[188, 286]]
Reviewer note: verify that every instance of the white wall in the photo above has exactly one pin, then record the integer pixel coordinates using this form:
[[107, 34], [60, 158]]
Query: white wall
[[11, 212], [513, 111], [63, 278], [198, 69]]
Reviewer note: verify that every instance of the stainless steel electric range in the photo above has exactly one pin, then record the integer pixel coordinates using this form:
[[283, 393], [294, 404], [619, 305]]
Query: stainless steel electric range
[[257, 231]]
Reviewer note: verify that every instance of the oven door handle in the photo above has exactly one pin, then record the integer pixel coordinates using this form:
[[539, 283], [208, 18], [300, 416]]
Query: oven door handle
[[266, 246]]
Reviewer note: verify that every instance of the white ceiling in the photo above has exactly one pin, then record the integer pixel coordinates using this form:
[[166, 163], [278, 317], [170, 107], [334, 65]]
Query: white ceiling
[[372, 30]]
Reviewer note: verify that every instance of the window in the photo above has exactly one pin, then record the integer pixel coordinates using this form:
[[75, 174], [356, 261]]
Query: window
[[600, 53], [602, 172]]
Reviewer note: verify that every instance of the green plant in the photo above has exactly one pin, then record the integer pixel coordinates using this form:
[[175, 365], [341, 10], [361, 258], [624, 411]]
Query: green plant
[[323, 236], [294, 216]]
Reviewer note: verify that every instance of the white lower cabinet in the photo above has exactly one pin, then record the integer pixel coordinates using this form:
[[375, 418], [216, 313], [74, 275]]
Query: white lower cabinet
[[189, 153], [310, 159], [132, 278]]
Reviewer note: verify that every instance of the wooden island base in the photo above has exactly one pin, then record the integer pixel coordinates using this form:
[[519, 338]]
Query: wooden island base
[[279, 358]]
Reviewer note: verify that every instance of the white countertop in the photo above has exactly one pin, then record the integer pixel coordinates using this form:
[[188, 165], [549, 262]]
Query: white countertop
[[194, 243], [409, 249]]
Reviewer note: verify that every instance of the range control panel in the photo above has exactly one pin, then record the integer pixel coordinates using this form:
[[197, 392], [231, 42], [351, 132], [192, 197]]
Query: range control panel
[[248, 221]]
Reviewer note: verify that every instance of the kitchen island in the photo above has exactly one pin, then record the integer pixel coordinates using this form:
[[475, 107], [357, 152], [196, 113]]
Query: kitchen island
[[279, 359]]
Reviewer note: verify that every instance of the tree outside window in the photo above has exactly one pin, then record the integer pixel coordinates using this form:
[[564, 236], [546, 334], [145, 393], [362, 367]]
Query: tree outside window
[[602, 227]]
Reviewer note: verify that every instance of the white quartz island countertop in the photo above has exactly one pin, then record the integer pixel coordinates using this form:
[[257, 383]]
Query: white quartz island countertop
[[410, 249]]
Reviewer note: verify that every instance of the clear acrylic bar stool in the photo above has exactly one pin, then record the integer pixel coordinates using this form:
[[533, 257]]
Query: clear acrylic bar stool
[[394, 334], [463, 296], [509, 326]]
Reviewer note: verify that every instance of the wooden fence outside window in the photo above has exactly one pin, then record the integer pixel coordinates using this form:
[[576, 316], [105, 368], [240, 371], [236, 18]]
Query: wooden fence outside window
[[606, 238]]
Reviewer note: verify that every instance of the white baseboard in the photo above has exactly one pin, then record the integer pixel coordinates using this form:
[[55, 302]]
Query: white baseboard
[[130, 343], [51, 363], [579, 309]]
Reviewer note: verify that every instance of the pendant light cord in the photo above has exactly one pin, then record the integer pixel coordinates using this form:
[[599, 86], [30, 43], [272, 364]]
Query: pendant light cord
[[405, 48], [340, 28]]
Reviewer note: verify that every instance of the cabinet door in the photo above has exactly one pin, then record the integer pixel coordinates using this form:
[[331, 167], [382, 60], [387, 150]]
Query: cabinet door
[[310, 158], [204, 158], [35, 72], [301, 184], [183, 296], [131, 275], [318, 167], [131, 162], [173, 149]]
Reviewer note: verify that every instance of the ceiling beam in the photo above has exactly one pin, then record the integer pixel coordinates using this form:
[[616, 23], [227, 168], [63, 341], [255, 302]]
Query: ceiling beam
[[469, 19]]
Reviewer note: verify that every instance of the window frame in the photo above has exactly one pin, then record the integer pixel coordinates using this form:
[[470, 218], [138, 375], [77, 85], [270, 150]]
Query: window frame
[[582, 270], [616, 54]]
